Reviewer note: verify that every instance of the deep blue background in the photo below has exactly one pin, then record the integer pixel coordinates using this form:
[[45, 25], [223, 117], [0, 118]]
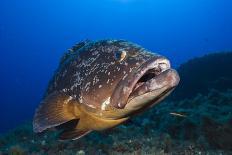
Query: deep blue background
[[34, 34]]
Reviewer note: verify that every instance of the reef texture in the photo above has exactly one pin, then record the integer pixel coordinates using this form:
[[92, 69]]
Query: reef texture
[[198, 121], [199, 75], [205, 127]]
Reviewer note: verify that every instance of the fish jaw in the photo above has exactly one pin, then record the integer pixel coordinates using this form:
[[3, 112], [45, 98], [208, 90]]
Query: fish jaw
[[153, 91], [152, 79]]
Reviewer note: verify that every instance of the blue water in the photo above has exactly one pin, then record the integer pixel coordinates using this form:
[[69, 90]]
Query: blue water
[[34, 34]]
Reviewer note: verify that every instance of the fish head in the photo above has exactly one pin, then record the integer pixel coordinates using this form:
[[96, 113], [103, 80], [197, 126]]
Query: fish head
[[130, 77], [147, 85]]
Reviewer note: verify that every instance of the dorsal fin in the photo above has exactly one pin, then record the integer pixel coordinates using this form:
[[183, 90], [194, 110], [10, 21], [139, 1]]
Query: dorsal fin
[[72, 51], [54, 110], [80, 45]]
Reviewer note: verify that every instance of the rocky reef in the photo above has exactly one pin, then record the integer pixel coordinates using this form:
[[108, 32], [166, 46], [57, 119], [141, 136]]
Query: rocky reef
[[197, 121], [199, 75]]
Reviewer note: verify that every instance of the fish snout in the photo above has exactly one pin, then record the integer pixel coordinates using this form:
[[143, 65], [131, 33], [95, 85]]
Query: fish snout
[[172, 78], [153, 91]]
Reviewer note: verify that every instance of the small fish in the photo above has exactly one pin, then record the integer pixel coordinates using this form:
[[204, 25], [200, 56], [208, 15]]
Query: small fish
[[177, 114], [101, 84]]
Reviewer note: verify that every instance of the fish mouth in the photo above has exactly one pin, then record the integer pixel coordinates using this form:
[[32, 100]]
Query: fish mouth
[[152, 81]]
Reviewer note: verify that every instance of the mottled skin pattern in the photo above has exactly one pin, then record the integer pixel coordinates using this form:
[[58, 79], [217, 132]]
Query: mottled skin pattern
[[92, 72], [100, 85]]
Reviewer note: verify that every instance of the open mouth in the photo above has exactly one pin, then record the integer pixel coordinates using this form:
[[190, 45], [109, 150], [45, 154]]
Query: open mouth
[[148, 81], [151, 75]]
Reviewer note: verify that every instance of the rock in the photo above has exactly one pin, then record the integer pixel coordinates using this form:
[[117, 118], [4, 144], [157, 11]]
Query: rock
[[43, 142], [212, 71], [16, 150], [167, 144], [218, 135]]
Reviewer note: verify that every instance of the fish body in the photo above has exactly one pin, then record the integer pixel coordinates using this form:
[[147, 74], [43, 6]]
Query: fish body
[[99, 85]]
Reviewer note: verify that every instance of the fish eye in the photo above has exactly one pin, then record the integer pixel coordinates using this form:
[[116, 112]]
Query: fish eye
[[120, 55]]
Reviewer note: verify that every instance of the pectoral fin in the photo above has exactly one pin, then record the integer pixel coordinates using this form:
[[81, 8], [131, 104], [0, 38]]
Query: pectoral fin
[[54, 110]]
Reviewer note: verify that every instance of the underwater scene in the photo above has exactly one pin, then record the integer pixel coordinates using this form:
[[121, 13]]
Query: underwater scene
[[115, 77]]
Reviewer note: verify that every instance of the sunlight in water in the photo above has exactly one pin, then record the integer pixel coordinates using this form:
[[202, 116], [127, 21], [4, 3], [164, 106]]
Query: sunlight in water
[[124, 1]]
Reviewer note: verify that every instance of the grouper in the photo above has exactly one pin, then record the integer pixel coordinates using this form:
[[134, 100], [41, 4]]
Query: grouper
[[101, 84]]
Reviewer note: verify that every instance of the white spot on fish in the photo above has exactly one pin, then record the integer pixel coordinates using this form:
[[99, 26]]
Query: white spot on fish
[[105, 103], [87, 86], [91, 106], [78, 79], [95, 53], [125, 76], [68, 100], [65, 90], [125, 90], [74, 96], [95, 80], [81, 99], [74, 86]]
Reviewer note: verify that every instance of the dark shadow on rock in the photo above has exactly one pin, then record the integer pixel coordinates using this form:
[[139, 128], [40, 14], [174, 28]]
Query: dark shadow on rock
[[199, 75], [218, 135]]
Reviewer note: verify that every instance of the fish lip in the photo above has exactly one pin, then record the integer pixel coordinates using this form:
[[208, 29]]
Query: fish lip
[[126, 86], [167, 80]]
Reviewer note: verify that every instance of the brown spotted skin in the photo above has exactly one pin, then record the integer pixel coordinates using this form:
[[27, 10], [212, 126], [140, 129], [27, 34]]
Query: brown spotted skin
[[91, 71]]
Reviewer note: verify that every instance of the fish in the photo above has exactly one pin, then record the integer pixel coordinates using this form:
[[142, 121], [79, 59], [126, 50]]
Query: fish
[[177, 114], [101, 84]]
